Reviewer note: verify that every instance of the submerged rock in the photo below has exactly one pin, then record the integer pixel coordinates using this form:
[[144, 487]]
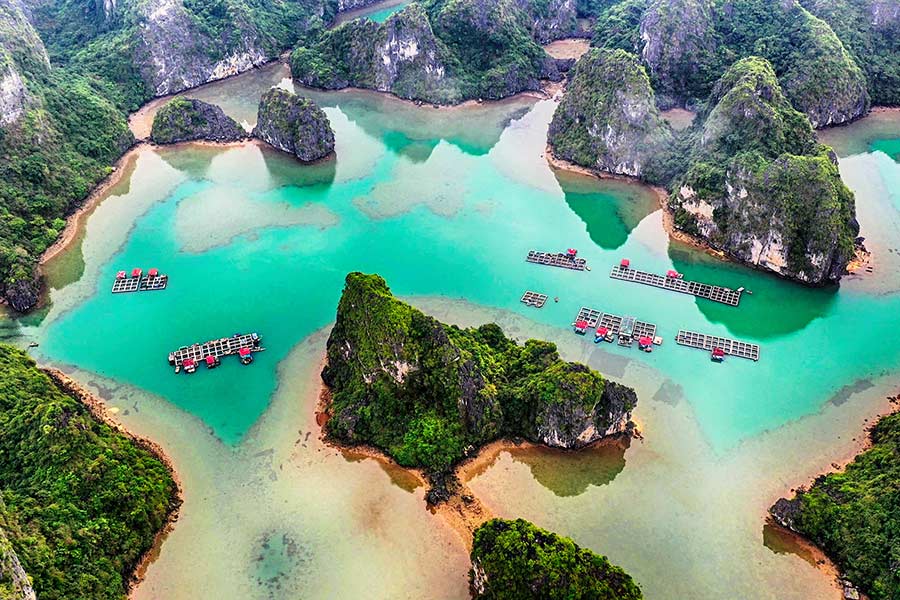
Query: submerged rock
[[429, 394], [294, 124], [23, 294], [187, 119], [760, 187], [608, 119]]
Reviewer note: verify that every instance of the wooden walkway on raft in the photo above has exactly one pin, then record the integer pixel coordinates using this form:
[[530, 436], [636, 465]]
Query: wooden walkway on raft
[[556, 260], [595, 318], [144, 283], [534, 299], [701, 290], [216, 348], [730, 347]]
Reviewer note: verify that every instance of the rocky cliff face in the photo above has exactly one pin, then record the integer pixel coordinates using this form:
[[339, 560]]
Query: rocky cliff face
[[400, 56], [443, 52], [428, 393], [12, 575], [760, 188], [678, 49], [687, 44], [608, 119], [869, 29], [187, 119], [551, 20], [294, 124], [174, 54], [21, 49]]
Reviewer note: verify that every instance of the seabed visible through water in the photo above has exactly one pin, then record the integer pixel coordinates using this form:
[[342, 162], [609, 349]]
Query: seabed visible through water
[[445, 203]]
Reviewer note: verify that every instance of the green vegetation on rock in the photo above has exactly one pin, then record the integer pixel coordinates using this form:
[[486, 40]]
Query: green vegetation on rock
[[185, 119], [760, 187], [442, 51], [608, 119], [512, 560], [79, 502], [870, 30], [429, 393], [58, 135], [854, 514], [294, 124], [687, 44]]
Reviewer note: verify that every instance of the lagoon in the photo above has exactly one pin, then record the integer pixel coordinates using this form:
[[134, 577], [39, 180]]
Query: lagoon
[[445, 203]]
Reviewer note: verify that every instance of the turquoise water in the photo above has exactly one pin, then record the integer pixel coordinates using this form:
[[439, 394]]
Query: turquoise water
[[380, 16], [253, 241]]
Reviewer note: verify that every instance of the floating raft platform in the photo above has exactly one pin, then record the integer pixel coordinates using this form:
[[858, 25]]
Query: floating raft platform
[[625, 329], [560, 259], [141, 283], [534, 299], [216, 349], [730, 347], [676, 284]]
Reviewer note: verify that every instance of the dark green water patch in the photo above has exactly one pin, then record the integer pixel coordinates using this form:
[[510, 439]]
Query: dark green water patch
[[610, 210], [889, 147], [571, 473], [762, 313]]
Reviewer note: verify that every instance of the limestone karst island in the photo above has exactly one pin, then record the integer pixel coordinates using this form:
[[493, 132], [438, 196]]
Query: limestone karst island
[[449, 299]]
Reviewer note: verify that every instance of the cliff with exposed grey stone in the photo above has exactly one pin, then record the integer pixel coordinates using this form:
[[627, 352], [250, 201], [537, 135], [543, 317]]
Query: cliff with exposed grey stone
[[294, 124], [759, 186], [442, 52], [608, 120], [687, 44], [429, 394]]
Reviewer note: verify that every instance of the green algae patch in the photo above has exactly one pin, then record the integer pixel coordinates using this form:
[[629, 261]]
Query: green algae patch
[[515, 559], [429, 394]]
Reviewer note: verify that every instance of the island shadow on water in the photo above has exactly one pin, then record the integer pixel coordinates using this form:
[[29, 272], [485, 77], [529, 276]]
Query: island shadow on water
[[569, 473], [761, 314]]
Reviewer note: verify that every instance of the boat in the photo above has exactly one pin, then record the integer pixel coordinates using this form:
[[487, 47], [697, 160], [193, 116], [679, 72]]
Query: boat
[[717, 355], [246, 356]]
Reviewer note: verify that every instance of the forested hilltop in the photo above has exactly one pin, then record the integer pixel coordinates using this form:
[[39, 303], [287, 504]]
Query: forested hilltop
[[430, 394], [514, 560], [80, 502], [832, 59], [854, 514]]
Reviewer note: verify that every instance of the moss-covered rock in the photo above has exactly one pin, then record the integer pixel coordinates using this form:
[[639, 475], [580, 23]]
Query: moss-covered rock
[[680, 49], [401, 56], [514, 559], [687, 45], [438, 51], [759, 186], [187, 119], [608, 119], [870, 30], [294, 124], [428, 393], [80, 502]]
